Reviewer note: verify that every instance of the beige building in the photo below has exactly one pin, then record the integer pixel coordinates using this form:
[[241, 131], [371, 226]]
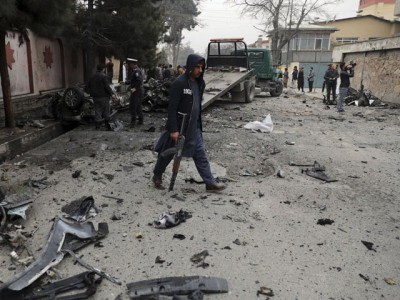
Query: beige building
[[380, 8], [361, 28]]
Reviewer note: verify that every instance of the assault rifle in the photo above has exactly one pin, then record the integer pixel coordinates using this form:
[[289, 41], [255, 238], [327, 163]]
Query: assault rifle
[[177, 150]]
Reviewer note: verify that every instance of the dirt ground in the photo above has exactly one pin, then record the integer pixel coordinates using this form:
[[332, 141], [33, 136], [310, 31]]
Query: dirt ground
[[262, 230]]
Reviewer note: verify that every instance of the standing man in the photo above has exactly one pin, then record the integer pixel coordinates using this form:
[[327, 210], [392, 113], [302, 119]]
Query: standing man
[[300, 80], [294, 77], [110, 70], [285, 78], [100, 91], [330, 77], [185, 97], [311, 80], [135, 79], [345, 73]]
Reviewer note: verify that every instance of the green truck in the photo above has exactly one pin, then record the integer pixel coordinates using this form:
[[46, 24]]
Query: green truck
[[260, 61]]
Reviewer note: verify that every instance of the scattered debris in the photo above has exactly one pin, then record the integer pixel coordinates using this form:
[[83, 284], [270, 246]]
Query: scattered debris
[[116, 125], [171, 219], [390, 281], [318, 171], [237, 242], [265, 291], [84, 281], [109, 177], [366, 278], [139, 235], [76, 174], [159, 260], [39, 183], [179, 236], [199, 257], [260, 194], [191, 286], [324, 222], [63, 236], [116, 216], [281, 174], [82, 209], [369, 245], [290, 143], [17, 238]]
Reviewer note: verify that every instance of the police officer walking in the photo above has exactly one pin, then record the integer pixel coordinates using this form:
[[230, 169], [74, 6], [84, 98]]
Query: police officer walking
[[135, 79], [100, 91]]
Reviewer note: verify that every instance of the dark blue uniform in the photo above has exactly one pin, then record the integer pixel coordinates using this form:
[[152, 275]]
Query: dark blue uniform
[[185, 96]]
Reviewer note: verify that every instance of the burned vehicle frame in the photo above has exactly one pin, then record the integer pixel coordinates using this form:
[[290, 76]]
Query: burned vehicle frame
[[74, 105]]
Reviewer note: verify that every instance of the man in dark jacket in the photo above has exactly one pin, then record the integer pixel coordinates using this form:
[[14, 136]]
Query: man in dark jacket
[[185, 97], [135, 79], [331, 76], [100, 91], [345, 74]]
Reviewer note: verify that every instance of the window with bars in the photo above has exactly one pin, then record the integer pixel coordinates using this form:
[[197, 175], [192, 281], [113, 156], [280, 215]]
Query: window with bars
[[344, 40]]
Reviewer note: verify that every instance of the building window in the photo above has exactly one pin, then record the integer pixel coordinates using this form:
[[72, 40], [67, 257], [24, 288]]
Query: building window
[[322, 41], [310, 41], [344, 40]]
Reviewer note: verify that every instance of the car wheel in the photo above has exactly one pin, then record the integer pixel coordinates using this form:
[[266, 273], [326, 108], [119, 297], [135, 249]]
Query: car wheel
[[73, 97], [278, 90]]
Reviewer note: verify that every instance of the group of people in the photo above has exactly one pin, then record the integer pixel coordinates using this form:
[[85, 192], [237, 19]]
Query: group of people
[[186, 93], [164, 72], [330, 82], [298, 79]]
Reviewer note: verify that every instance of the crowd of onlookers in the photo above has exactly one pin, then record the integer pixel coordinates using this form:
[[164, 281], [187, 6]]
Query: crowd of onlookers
[[330, 83], [164, 72]]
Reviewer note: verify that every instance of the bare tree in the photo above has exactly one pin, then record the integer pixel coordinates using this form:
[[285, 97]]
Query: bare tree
[[179, 15], [281, 19]]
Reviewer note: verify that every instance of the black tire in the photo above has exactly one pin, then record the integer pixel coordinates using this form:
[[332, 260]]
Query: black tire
[[278, 90], [250, 91], [73, 97]]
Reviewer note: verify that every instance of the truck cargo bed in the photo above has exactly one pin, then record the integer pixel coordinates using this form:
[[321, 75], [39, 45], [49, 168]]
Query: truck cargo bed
[[219, 81]]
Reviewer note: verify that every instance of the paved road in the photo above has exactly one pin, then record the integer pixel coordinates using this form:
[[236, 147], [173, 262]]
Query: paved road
[[262, 231]]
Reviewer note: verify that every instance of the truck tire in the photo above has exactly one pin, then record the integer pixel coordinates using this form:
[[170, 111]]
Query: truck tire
[[73, 97], [250, 91], [278, 90]]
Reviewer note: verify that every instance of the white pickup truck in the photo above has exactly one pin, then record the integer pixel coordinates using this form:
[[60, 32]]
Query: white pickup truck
[[228, 74]]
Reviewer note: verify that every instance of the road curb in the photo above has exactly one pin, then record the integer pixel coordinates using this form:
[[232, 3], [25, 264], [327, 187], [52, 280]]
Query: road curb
[[21, 143]]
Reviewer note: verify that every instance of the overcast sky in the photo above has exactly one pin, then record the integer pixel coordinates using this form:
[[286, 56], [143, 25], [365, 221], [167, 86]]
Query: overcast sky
[[219, 19]]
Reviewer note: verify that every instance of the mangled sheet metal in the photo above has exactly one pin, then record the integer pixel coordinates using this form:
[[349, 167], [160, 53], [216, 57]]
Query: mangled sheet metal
[[82, 209], [17, 204], [176, 286], [63, 235], [318, 171], [71, 286]]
